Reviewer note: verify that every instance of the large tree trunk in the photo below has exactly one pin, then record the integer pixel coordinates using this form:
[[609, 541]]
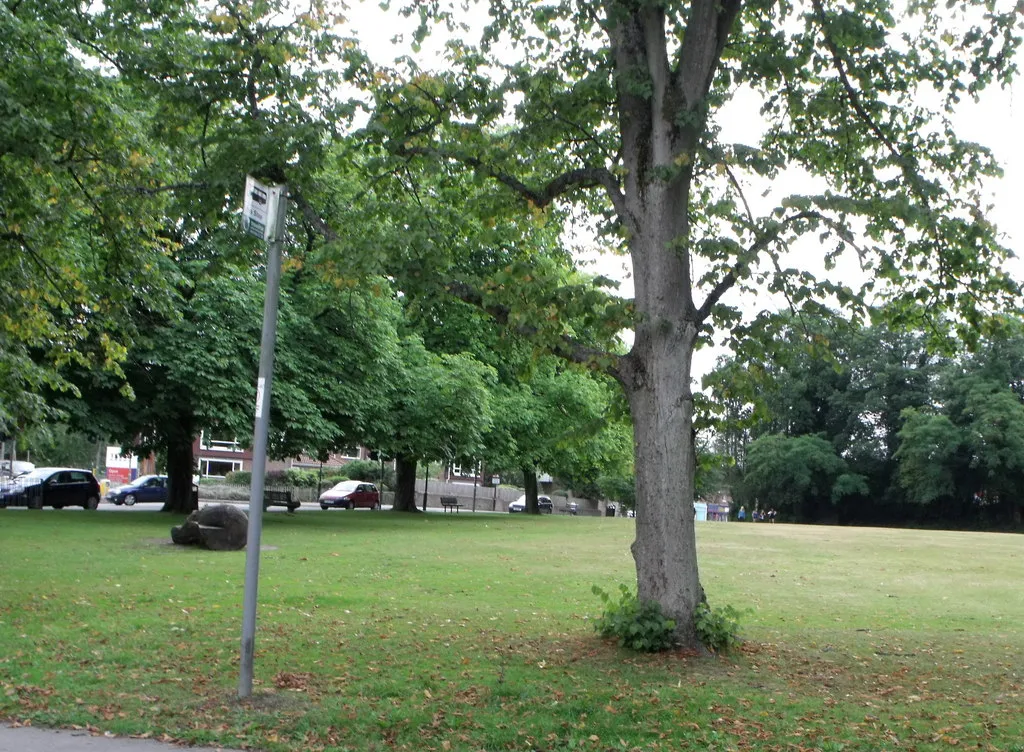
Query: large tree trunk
[[656, 378], [180, 465], [530, 486], [405, 485], [657, 382], [661, 124]]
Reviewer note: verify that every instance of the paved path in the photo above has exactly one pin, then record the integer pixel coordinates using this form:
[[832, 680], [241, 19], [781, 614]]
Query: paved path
[[32, 739]]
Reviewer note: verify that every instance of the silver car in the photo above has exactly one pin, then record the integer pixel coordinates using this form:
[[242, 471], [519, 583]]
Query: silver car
[[543, 503]]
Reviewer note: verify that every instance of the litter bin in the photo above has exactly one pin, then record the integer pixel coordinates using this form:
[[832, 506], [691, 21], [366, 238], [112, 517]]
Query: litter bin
[[610, 510]]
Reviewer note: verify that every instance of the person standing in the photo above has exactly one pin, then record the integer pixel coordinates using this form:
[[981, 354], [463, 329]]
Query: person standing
[[742, 514]]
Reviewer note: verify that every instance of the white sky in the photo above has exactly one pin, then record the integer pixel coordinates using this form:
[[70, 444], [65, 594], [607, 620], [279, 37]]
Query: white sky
[[997, 121]]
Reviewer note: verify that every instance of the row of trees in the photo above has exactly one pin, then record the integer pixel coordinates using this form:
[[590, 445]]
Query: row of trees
[[127, 128], [868, 425], [352, 367], [149, 335]]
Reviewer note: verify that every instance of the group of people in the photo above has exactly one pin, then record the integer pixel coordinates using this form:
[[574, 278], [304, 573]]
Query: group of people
[[757, 515]]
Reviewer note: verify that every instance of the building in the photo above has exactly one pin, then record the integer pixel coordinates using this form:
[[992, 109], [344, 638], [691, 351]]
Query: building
[[216, 457]]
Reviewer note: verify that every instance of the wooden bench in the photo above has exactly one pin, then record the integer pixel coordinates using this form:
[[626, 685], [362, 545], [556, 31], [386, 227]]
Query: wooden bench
[[448, 503], [276, 498]]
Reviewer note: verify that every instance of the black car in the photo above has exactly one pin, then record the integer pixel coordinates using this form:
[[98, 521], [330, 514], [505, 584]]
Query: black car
[[144, 488], [55, 487]]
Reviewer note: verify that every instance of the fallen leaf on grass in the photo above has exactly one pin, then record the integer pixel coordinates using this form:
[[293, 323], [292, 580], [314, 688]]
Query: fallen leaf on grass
[[289, 680]]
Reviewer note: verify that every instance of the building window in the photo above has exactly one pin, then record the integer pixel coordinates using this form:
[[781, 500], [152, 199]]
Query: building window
[[465, 469], [350, 453], [218, 468], [220, 445]]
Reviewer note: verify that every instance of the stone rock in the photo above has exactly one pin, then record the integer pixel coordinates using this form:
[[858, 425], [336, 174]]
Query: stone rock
[[218, 527]]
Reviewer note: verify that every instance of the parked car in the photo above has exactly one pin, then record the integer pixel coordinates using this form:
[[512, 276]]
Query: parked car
[[351, 494], [55, 487], [12, 469], [143, 488], [543, 503]]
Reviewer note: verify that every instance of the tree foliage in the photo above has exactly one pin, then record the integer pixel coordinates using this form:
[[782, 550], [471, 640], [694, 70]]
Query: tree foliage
[[918, 437], [76, 231], [439, 411]]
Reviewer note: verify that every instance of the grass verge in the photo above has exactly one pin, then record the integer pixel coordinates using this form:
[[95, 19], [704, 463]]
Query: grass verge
[[380, 631]]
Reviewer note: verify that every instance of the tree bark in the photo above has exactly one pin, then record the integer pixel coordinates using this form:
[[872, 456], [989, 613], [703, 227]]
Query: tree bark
[[530, 485], [661, 124], [657, 383], [180, 466], [405, 485]]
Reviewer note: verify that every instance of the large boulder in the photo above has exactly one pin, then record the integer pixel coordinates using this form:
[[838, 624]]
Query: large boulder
[[218, 527]]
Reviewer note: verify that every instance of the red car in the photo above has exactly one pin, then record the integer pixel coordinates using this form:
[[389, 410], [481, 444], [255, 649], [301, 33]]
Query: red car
[[351, 494]]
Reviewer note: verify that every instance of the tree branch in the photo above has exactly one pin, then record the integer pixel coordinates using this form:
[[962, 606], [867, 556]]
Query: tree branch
[[568, 348], [701, 51], [851, 92], [311, 216], [732, 276], [583, 177], [716, 294], [171, 187], [50, 274]]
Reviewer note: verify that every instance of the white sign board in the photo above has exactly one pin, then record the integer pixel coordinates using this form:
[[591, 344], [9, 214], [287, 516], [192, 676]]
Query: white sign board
[[263, 209], [116, 459]]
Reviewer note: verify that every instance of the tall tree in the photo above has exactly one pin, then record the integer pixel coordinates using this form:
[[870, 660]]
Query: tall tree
[[76, 231], [961, 456], [337, 355], [161, 110], [802, 476], [829, 377], [555, 419], [619, 105], [439, 411], [187, 372]]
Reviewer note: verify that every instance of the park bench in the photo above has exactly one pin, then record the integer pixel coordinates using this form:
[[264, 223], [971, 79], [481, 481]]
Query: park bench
[[273, 497], [448, 503]]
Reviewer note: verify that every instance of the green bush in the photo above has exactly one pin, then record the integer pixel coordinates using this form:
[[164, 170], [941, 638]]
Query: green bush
[[363, 470], [333, 476], [369, 470], [290, 478], [717, 628], [638, 625], [224, 492], [293, 478], [238, 478]]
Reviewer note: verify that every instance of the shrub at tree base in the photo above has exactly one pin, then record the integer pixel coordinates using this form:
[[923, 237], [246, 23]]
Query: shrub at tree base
[[642, 626], [637, 625], [717, 628]]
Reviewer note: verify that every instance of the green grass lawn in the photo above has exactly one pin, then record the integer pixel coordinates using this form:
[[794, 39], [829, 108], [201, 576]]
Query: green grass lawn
[[379, 631]]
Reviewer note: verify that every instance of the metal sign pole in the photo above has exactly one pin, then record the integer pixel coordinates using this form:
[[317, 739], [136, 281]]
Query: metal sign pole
[[259, 448]]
